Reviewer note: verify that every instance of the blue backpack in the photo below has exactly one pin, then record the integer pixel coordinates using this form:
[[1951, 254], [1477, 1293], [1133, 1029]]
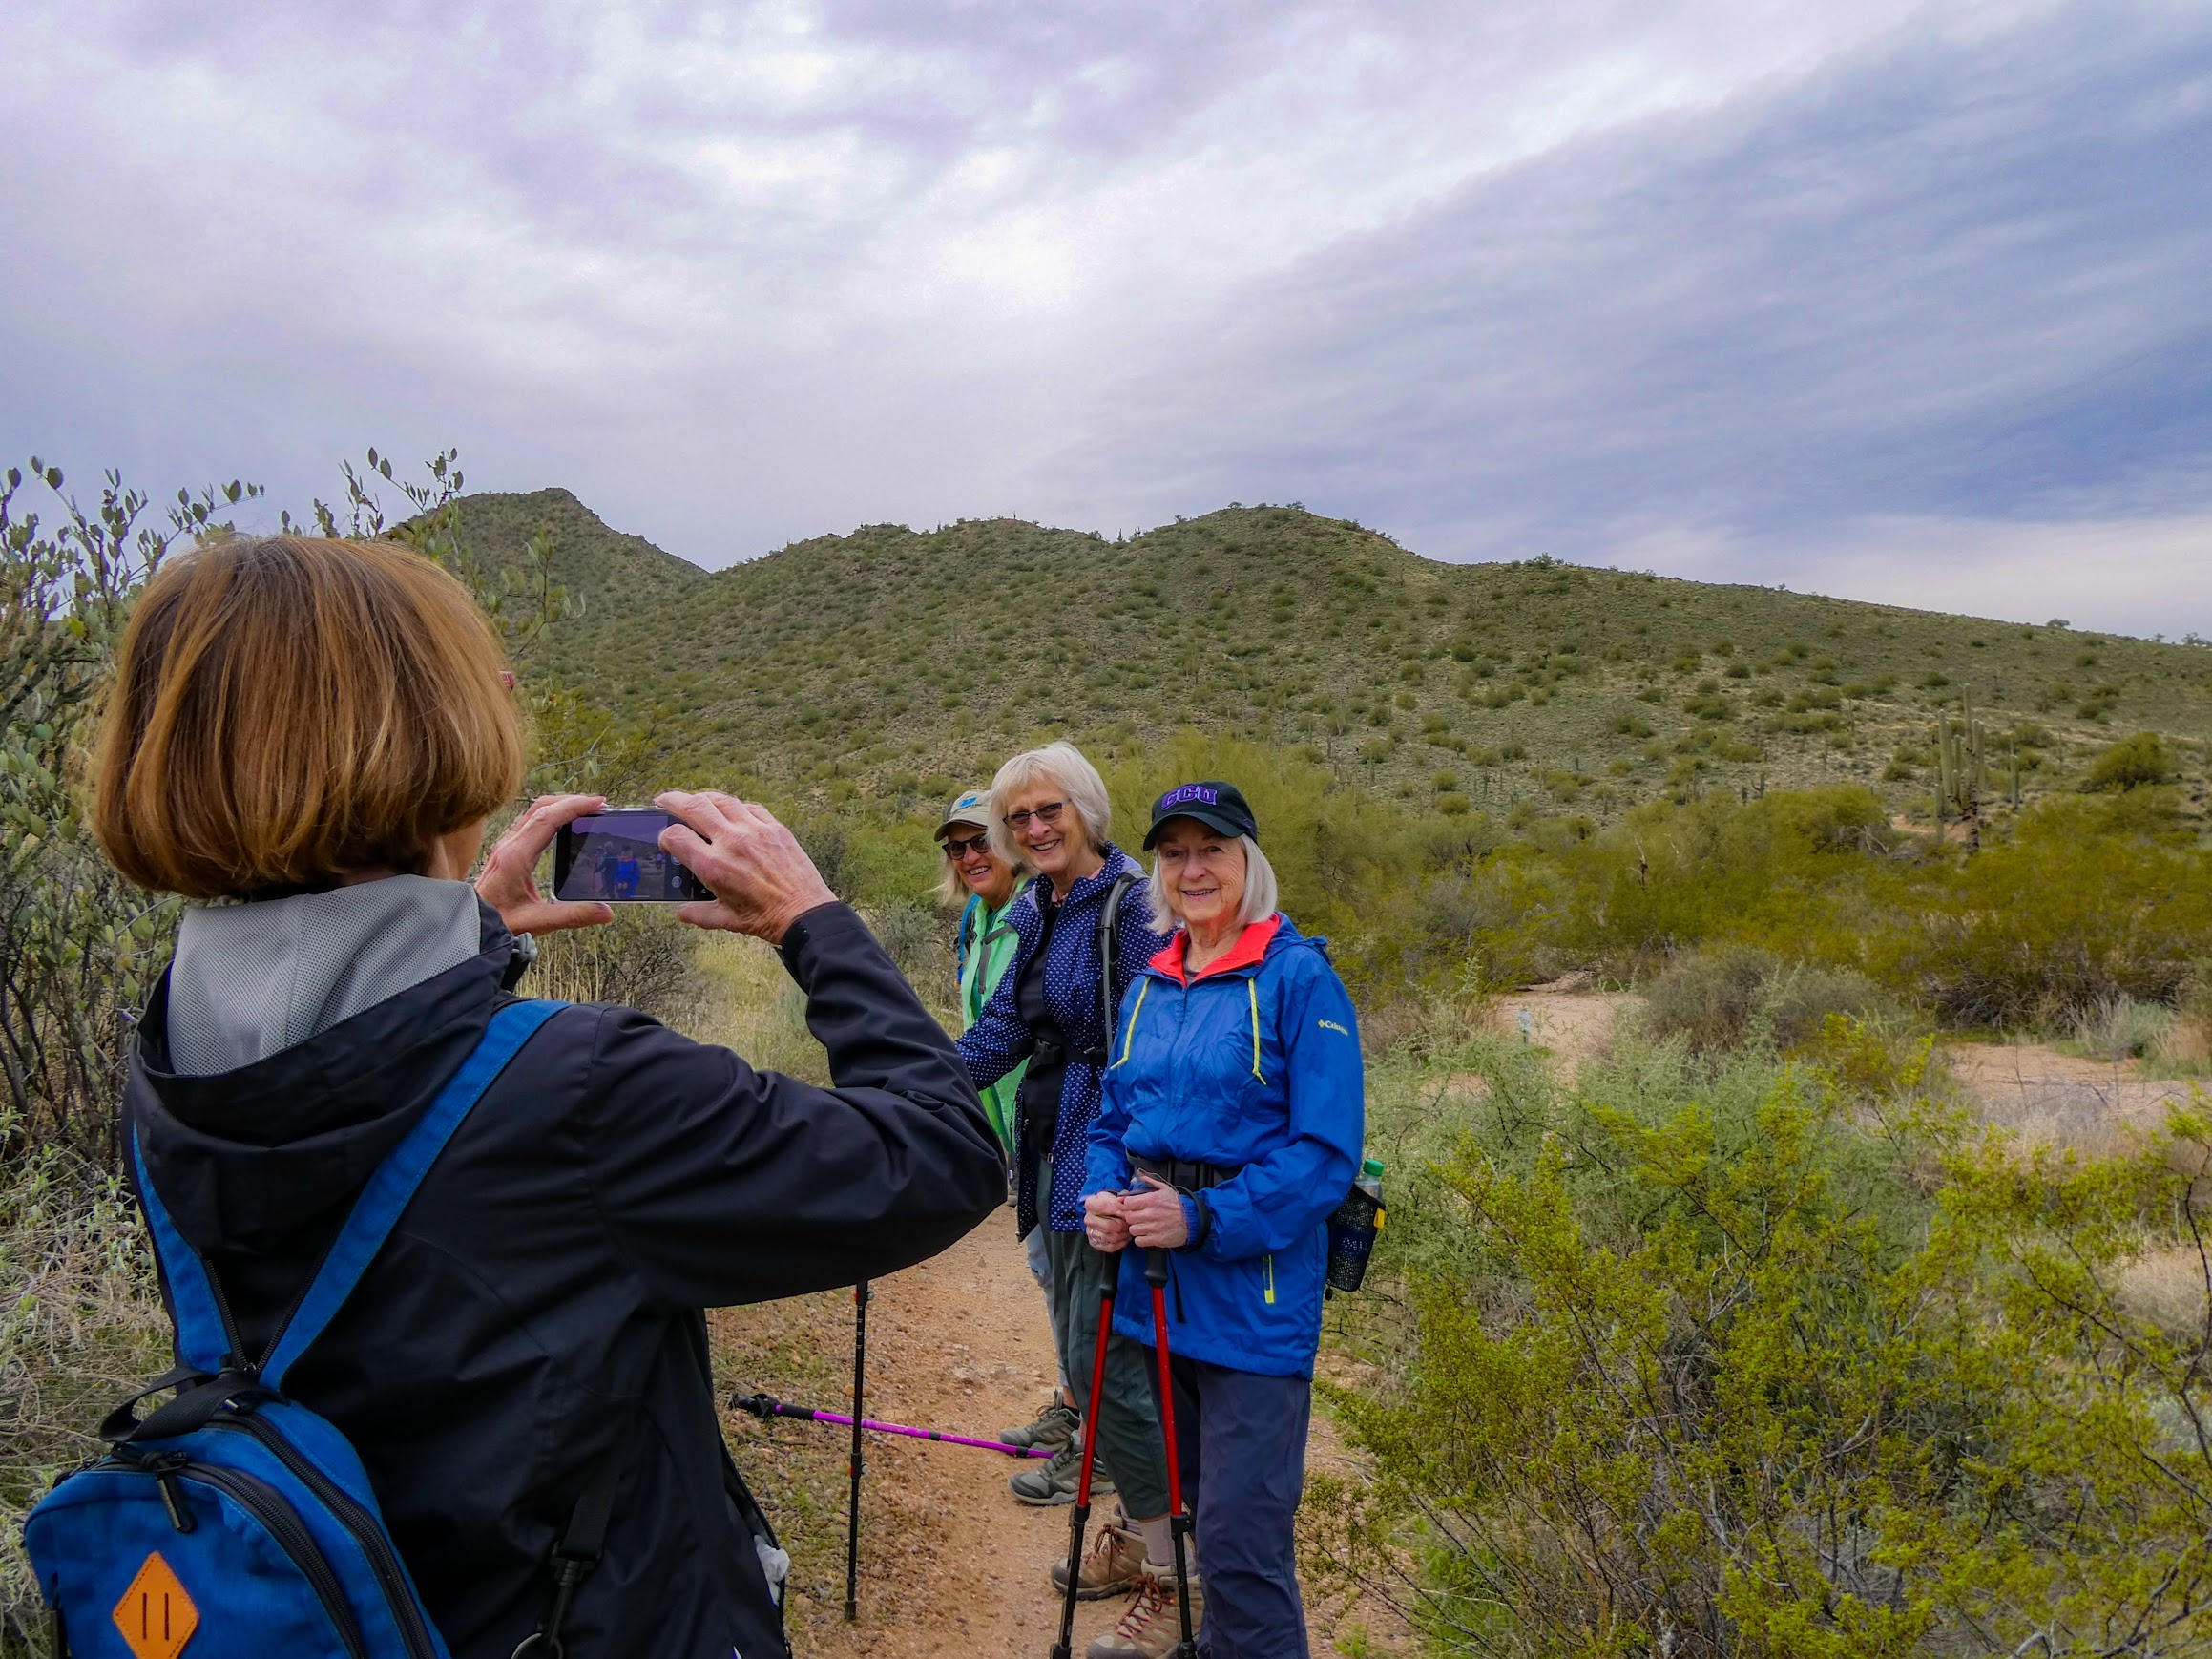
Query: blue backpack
[[232, 1521]]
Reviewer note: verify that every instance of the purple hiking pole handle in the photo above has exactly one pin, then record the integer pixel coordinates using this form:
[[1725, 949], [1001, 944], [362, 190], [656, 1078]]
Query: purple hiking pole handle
[[765, 1406]]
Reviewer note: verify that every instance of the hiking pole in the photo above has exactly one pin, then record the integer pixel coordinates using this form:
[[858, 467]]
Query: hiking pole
[[860, 1296], [766, 1405], [1178, 1520], [1081, 1518]]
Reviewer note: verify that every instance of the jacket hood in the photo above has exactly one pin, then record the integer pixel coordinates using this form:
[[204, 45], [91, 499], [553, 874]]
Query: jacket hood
[[251, 1157]]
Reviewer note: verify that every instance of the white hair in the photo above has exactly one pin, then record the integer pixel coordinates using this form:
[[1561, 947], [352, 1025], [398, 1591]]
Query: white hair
[[1260, 890], [1057, 766]]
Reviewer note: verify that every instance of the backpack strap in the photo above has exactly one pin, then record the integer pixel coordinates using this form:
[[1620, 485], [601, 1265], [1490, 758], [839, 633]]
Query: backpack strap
[[204, 1340], [389, 1190], [1108, 935], [206, 1343], [967, 929]]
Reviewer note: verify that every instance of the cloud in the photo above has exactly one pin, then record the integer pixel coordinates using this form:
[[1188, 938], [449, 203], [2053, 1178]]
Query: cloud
[[1942, 278], [1587, 276]]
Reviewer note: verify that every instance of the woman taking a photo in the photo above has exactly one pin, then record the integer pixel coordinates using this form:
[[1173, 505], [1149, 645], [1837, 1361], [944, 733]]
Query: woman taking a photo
[[309, 736], [1236, 1102]]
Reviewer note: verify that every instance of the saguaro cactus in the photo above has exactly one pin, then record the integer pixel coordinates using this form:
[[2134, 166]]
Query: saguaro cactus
[[1961, 773]]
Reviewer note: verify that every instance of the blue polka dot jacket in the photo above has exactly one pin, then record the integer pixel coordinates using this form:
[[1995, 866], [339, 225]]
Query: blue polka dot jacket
[[999, 1040]]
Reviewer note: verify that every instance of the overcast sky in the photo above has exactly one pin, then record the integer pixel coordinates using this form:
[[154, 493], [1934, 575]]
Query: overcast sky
[[1897, 302]]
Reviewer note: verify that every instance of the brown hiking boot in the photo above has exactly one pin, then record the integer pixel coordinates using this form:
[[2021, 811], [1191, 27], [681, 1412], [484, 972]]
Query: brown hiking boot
[[1112, 1563], [1152, 1626]]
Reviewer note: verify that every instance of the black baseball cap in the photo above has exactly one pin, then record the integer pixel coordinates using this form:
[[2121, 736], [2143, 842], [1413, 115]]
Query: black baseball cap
[[1216, 805]]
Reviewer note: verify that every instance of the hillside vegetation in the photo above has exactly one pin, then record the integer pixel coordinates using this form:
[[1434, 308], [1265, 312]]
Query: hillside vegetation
[[888, 665], [1745, 1338]]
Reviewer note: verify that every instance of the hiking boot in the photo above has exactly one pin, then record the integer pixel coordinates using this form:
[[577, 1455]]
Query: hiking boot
[[1054, 1480], [1113, 1562], [1050, 1483], [1152, 1625], [1055, 1427]]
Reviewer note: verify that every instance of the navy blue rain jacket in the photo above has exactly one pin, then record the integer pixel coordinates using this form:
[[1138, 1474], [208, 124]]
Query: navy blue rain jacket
[[1254, 1065], [999, 1040], [540, 1302]]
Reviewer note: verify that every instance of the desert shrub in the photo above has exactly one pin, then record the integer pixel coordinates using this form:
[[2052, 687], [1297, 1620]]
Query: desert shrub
[[81, 1328], [78, 946], [643, 960], [1740, 997], [2130, 764], [1726, 1359], [918, 938], [2120, 1028]]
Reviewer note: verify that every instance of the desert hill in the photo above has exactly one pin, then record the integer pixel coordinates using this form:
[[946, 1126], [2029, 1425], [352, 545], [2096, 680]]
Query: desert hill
[[888, 662]]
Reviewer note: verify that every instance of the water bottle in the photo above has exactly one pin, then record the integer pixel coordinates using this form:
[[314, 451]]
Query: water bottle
[[1352, 1229]]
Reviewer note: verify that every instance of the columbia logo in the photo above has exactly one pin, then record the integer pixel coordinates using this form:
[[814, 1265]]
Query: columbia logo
[[1331, 1025]]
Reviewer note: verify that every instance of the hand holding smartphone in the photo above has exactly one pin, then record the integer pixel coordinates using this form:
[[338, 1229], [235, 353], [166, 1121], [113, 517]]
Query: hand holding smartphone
[[614, 857]]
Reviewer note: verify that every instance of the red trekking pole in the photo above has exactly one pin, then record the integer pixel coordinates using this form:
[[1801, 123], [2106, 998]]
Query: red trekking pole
[[1178, 1520], [1081, 1519]]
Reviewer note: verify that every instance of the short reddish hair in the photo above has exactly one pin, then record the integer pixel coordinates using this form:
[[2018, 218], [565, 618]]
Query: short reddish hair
[[289, 710]]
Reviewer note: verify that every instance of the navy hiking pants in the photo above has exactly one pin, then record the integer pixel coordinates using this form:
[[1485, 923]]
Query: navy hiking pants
[[1241, 1437]]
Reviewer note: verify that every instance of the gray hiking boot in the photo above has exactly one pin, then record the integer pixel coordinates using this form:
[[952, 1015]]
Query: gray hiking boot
[[1056, 1426], [1113, 1562], [1152, 1625], [1054, 1482], [1050, 1483]]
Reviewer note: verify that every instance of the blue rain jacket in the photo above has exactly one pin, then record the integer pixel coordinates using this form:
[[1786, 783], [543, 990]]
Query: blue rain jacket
[[1255, 1064]]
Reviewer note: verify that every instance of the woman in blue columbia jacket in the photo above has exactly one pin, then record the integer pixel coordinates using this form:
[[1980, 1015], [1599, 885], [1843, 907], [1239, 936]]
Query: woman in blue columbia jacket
[[1230, 1127]]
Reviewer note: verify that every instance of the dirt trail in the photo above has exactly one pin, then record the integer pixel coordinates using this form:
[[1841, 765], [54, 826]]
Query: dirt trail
[[949, 1562], [959, 1567], [2059, 1098]]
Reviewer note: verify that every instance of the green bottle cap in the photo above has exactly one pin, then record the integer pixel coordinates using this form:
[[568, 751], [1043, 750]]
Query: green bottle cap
[[1371, 1166]]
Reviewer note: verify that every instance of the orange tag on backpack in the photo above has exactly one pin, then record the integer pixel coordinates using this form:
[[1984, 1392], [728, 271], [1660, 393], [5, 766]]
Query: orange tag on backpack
[[156, 1616]]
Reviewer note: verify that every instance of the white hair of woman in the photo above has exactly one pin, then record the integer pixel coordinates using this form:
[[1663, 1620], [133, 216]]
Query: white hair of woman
[[1260, 890], [1057, 766]]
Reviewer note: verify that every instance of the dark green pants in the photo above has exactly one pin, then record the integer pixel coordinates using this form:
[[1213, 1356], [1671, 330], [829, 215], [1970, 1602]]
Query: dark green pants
[[1129, 1442]]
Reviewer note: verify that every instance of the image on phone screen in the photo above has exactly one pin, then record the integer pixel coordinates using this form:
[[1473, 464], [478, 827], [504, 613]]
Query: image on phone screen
[[614, 857]]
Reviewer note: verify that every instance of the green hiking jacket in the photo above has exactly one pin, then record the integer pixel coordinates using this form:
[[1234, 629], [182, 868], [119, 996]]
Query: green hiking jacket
[[987, 947]]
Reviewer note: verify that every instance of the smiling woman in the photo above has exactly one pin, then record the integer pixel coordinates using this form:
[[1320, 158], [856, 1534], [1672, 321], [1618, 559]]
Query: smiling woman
[[1235, 1105], [1083, 930]]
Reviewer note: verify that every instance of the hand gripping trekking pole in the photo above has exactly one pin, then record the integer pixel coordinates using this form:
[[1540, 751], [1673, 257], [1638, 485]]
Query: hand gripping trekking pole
[[859, 1299], [1178, 1519], [1081, 1518]]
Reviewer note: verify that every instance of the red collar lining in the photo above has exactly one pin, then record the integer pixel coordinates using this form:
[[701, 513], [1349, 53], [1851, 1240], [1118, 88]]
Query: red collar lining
[[1248, 951]]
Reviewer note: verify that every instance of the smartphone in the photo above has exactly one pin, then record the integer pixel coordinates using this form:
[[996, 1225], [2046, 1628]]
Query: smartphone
[[614, 857]]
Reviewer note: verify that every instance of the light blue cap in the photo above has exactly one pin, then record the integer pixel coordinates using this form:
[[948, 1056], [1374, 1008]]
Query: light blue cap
[[971, 807]]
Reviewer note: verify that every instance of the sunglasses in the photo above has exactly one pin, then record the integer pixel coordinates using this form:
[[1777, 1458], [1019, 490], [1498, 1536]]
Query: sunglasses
[[957, 849], [1048, 813]]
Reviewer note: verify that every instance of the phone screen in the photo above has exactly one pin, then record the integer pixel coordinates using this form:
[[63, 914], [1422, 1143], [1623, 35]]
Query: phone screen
[[615, 858]]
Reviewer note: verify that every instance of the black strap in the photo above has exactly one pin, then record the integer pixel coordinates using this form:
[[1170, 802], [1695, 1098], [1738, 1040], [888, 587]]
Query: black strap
[[576, 1552], [585, 1537], [122, 1424], [1108, 915]]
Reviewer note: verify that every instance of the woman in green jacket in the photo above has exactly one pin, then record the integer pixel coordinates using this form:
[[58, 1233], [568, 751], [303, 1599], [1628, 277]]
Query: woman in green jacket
[[984, 885]]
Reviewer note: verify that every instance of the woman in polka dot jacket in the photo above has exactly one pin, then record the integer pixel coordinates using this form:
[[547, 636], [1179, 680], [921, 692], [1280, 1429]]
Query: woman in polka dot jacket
[[1049, 809]]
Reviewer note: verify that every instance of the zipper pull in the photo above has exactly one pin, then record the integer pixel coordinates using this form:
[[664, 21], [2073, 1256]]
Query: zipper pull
[[163, 1467]]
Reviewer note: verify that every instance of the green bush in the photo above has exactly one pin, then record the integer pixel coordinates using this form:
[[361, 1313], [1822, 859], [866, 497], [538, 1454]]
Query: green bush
[[1742, 996], [1727, 1359], [2130, 764]]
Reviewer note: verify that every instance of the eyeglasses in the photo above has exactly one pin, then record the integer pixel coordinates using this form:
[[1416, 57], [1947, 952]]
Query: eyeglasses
[[1049, 813], [957, 849]]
